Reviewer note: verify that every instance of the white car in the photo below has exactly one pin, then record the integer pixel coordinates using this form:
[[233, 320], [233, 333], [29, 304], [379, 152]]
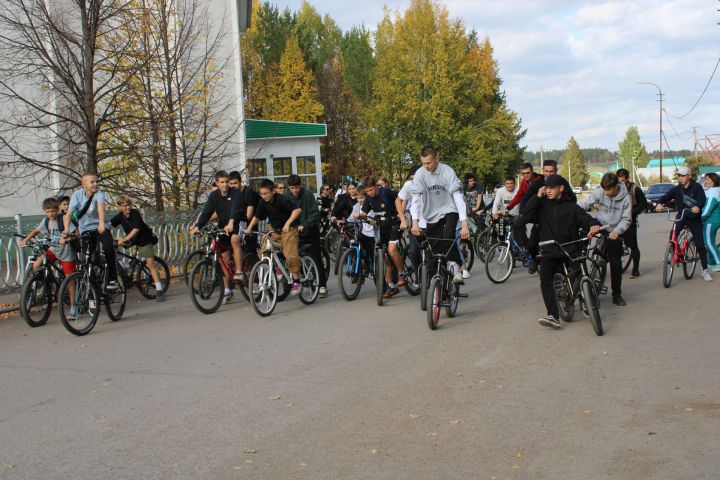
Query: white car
[[577, 190]]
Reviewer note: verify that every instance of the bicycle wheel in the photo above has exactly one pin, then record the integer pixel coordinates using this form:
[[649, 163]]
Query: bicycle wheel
[[351, 275], [326, 263], [691, 258], [330, 242], [454, 300], [483, 243], [592, 305], [468, 253], [144, 281], [264, 288], [379, 275], [115, 300], [434, 302], [499, 263], [36, 298], [597, 273], [206, 286], [309, 280], [423, 279], [86, 300], [565, 303], [668, 264], [248, 263], [626, 258], [412, 286], [190, 262]]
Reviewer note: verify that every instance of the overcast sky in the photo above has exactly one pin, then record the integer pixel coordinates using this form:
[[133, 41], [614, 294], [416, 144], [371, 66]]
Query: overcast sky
[[570, 67]]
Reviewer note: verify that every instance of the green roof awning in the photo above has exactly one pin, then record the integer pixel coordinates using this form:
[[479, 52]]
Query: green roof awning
[[265, 129]]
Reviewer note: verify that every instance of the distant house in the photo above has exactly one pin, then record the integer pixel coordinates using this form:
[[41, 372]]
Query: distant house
[[669, 167]]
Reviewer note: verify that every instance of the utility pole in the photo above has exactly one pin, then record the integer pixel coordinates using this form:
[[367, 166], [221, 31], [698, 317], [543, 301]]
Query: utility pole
[[695, 141], [660, 94]]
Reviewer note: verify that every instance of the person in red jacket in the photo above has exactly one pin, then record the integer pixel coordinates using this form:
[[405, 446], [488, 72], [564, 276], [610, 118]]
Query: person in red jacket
[[528, 177]]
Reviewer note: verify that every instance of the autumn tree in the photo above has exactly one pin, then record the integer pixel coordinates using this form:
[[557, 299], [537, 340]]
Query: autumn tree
[[631, 152], [572, 164], [294, 92]]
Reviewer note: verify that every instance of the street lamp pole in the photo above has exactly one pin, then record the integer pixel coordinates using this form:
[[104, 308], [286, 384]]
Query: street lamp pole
[[660, 94]]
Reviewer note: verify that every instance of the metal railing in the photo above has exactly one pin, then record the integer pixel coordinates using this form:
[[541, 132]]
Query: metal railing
[[173, 246]]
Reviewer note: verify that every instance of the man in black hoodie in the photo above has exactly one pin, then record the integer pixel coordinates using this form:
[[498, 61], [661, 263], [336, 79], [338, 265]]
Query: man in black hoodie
[[558, 218]]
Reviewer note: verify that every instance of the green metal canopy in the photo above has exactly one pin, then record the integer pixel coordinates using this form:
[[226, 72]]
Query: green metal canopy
[[267, 129]]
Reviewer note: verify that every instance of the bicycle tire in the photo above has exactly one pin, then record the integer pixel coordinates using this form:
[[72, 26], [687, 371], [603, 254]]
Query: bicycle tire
[[435, 297], [379, 275], [263, 288], [248, 263], [566, 307], [412, 286], [144, 281], [598, 273], [626, 258], [454, 299], [483, 244], [468, 253], [592, 305], [36, 298], [423, 278], [326, 262], [116, 298], [309, 280], [192, 259], [668, 264], [206, 280], [348, 272], [499, 263], [87, 302], [691, 258], [330, 242]]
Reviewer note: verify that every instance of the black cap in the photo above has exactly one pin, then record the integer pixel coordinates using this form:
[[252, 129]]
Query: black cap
[[554, 180], [412, 170]]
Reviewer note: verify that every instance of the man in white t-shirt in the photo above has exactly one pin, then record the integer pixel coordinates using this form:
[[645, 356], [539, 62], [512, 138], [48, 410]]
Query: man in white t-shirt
[[503, 197]]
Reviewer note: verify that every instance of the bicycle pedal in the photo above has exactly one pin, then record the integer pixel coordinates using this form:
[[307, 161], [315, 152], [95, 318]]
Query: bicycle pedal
[[462, 295], [603, 290]]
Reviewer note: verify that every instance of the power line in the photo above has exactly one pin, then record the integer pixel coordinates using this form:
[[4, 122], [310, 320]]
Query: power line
[[679, 135], [704, 90]]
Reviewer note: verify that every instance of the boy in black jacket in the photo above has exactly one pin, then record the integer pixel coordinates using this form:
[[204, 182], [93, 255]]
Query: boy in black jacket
[[227, 203], [639, 205], [558, 218]]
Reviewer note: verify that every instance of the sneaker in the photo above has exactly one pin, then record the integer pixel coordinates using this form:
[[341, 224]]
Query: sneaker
[[112, 285], [278, 274], [73, 313], [634, 274], [228, 298], [160, 296], [550, 321], [401, 280], [533, 267], [322, 293], [706, 276], [458, 278], [465, 273], [618, 300], [354, 280], [295, 290], [391, 292], [239, 277]]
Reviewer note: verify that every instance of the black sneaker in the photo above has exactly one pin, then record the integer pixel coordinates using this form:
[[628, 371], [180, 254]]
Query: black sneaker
[[113, 285], [618, 300], [634, 274], [550, 321], [533, 267], [160, 296]]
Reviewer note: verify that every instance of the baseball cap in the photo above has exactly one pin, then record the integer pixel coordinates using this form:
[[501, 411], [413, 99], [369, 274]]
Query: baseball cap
[[683, 171], [554, 180]]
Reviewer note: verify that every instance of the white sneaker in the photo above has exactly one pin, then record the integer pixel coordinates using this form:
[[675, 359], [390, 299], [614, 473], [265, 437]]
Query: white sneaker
[[465, 273], [322, 293], [706, 276]]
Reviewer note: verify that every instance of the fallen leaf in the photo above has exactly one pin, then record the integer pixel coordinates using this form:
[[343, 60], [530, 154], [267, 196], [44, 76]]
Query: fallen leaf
[[248, 461], [288, 404], [93, 391], [515, 466], [276, 397], [519, 455], [250, 450], [237, 467], [587, 412], [689, 409], [9, 465], [604, 353], [83, 346], [454, 422], [23, 334], [432, 434], [375, 451], [652, 433], [413, 415], [303, 464]]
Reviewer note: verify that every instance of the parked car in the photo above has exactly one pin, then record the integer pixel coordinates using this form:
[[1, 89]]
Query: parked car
[[654, 192], [577, 190]]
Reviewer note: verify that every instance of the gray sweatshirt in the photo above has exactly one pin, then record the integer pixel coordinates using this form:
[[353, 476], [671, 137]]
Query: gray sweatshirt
[[614, 211], [437, 190]]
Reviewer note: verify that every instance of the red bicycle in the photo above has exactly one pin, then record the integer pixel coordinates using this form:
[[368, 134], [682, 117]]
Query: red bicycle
[[681, 250]]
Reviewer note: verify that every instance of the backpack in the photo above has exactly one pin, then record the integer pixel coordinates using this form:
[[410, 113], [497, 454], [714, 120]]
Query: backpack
[[632, 194], [61, 223]]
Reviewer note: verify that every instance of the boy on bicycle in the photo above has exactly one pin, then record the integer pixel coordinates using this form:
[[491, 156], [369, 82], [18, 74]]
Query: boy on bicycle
[[137, 232], [558, 218], [227, 203], [283, 216]]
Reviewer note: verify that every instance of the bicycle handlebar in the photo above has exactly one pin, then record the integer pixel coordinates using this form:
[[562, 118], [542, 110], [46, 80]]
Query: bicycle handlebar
[[682, 215]]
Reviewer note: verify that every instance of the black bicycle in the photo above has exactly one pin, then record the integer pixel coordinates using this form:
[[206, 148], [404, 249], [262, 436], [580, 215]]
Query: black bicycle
[[575, 283], [598, 254], [40, 287], [136, 273], [439, 289], [82, 292], [381, 259]]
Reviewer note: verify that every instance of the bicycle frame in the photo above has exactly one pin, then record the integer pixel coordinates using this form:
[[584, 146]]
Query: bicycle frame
[[680, 241]]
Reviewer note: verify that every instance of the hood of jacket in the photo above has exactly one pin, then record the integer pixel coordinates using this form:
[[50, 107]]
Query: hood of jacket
[[613, 211]]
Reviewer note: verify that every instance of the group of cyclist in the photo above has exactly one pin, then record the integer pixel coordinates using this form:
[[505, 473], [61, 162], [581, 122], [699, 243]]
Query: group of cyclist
[[433, 202]]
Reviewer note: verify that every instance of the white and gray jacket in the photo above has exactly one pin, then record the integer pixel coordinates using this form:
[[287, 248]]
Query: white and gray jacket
[[437, 193], [613, 211]]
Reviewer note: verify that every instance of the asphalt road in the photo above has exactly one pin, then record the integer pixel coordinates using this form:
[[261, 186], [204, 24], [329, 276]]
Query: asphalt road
[[348, 390]]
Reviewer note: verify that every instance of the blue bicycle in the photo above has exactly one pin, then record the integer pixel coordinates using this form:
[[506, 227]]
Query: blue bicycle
[[501, 258], [355, 265]]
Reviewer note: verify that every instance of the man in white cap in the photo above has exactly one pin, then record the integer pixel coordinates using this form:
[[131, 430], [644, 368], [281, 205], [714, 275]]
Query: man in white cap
[[689, 195]]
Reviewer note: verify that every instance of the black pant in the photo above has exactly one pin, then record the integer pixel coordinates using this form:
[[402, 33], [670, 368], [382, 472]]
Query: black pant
[[442, 234], [108, 249], [548, 268], [630, 239], [696, 228], [311, 240], [613, 255]]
